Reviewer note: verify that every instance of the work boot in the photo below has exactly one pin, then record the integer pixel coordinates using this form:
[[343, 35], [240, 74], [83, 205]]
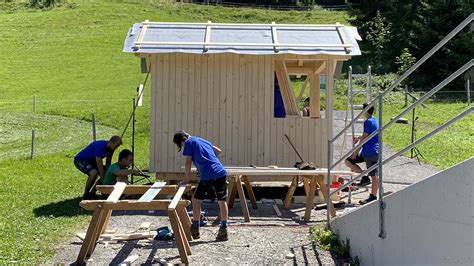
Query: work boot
[[367, 200], [195, 231], [222, 235], [365, 181]]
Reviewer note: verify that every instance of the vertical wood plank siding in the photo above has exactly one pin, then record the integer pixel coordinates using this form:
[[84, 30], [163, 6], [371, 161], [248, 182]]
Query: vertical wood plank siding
[[228, 99]]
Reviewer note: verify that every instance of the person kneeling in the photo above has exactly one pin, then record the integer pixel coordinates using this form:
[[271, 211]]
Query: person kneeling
[[119, 172], [213, 178]]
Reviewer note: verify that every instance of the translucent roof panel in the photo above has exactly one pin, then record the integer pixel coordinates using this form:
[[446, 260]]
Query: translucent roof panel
[[257, 39]]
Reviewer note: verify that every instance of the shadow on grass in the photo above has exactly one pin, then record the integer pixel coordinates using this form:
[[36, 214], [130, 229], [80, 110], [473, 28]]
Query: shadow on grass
[[65, 208]]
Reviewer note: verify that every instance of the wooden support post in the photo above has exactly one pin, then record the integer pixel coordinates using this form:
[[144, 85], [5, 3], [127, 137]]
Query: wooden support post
[[185, 221], [232, 192], [315, 97], [174, 221], [306, 186], [322, 186], [291, 191], [310, 198], [243, 200], [106, 222], [248, 187], [86, 244], [33, 143]]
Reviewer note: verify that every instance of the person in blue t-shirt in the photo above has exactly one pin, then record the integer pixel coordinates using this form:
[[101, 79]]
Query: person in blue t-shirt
[[213, 178], [369, 154], [90, 162]]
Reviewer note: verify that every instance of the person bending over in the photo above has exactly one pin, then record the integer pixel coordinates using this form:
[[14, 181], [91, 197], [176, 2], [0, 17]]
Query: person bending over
[[90, 162], [369, 154], [119, 172], [213, 178]]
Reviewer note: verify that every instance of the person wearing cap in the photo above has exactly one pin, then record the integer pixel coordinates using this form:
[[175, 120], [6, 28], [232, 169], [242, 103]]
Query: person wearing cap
[[213, 178], [90, 162]]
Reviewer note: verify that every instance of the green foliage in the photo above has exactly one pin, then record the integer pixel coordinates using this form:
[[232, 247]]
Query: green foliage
[[328, 240], [379, 35], [404, 61]]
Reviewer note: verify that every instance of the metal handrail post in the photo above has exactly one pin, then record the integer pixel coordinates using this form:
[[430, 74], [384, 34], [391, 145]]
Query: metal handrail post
[[352, 104], [468, 91], [380, 174], [328, 187], [369, 82]]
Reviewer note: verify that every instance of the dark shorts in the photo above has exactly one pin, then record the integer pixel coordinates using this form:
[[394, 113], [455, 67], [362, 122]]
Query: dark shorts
[[218, 188], [85, 166], [369, 161]]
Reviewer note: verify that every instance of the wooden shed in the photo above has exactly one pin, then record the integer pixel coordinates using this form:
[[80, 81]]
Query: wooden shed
[[217, 81]]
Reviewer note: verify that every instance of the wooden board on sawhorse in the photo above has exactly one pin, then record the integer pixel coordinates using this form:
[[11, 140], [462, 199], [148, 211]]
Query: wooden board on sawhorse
[[176, 209], [235, 186]]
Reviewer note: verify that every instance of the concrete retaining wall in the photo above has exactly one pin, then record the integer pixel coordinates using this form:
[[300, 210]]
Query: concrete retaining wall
[[428, 223]]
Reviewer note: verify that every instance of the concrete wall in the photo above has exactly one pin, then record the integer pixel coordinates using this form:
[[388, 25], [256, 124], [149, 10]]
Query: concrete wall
[[428, 223]]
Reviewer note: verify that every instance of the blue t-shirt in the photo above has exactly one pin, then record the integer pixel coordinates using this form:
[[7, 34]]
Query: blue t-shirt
[[371, 147], [278, 104], [204, 158], [97, 148]]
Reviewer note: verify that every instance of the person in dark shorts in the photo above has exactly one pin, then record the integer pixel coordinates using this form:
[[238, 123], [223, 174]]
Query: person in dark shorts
[[369, 155], [119, 172], [213, 178], [90, 162]]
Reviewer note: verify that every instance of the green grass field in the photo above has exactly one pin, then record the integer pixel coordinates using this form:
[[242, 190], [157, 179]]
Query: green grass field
[[71, 58]]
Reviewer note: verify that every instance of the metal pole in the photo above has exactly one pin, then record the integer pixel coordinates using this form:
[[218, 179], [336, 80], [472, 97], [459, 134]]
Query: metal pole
[[32, 143], [406, 97], [94, 135], [34, 103], [468, 91], [133, 135], [328, 187], [352, 105], [369, 83], [380, 174], [412, 130]]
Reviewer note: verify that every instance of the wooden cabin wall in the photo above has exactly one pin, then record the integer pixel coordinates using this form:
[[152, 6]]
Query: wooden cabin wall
[[227, 99]]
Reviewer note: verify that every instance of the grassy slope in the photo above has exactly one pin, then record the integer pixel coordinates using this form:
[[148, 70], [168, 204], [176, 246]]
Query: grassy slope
[[65, 56]]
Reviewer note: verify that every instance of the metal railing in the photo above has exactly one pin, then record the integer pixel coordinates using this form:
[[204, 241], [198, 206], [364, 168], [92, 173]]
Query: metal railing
[[378, 100]]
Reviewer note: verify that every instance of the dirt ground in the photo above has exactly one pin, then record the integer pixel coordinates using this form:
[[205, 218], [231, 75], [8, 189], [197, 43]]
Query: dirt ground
[[267, 239]]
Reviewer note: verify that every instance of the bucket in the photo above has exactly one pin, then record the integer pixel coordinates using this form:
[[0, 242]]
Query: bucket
[[334, 186]]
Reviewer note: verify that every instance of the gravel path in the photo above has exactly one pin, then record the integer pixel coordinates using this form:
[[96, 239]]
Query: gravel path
[[267, 239]]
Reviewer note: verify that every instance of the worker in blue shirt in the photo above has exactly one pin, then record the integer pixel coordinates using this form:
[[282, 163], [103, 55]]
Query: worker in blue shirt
[[90, 162], [369, 154], [213, 178]]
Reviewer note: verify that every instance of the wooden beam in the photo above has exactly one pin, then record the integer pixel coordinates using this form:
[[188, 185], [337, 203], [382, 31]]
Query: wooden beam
[[141, 36], [140, 189], [329, 96], [315, 97], [119, 187], [274, 37], [320, 67], [342, 36], [291, 191], [299, 70], [300, 63], [177, 198], [125, 205], [287, 93], [243, 24], [303, 88], [246, 44], [207, 36]]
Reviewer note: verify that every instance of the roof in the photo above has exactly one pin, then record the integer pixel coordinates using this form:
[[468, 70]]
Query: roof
[[255, 39]]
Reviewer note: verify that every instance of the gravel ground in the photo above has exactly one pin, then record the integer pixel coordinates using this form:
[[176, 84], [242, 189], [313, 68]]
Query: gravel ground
[[267, 239]]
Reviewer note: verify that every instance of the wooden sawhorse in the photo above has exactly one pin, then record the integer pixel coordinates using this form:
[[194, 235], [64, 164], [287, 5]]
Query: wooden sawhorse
[[176, 208]]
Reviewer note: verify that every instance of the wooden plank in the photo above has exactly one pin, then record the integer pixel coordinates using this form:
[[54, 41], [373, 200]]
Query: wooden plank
[[286, 89], [129, 260], [198, 128], [215, 95], [342, 36], [185, 221], [235, 109], [275, 37], [174, 221], [320, 68], [210, 103], [261, 111], [89, 238], [303, 88], [243, 200], [248, 187], [205, 92], [105, 222], [254, 109], [274, 130], [329, 95], [178, 107], [164, 134], [144, 226], [119, 187], [291, 191], [143, 30], [139, 189], [207, 36], [322, 186], [189, 92], [310, 199], [129, 205], [154, 115], [228, 111], [232, 190], [222, 104], [152, 192], [184, 99], [171, 111], [177, 198], [242, 111], [268, 109]]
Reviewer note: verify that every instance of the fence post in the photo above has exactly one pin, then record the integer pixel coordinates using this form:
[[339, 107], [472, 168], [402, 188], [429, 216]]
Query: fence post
[[93, 127], [468, 91], [32, 143], [382, 233], [34, 103]]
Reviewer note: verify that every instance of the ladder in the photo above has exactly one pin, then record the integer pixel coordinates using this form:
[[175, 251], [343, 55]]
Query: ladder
[[358, 84]]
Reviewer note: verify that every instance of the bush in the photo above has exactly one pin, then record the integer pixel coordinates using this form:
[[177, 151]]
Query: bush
[[328, 240]]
